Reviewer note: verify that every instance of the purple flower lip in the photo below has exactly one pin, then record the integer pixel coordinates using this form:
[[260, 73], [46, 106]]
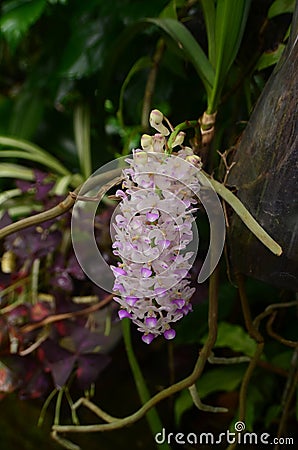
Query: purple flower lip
[[165, 243], [120, 193], [120, 220], [146, 273], [148, 338], [123, 314], [118, 271], [131, 300], [179, 302], [169, 334], [152, 217], [151, 322], [160, 291], [118, 287]]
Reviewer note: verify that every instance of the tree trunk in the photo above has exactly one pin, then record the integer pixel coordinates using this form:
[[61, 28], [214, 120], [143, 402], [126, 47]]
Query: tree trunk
[[265, 175]]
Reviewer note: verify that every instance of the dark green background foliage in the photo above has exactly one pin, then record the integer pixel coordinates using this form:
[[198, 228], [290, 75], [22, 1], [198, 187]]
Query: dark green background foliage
[[78, 79]]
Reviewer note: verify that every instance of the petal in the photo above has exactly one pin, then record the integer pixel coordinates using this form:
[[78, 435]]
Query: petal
[[169, 334], [148, 338]]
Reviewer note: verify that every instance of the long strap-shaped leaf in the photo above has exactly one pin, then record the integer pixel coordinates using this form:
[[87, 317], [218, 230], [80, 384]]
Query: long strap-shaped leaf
[[44, 157], [230, 21], [192, 50]]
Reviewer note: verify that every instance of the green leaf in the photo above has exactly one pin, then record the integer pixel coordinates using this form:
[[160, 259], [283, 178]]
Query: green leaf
[[8, 170], [17, 17], [143, 63], [189, 47], [169, 12], [281, 7], [268, 59], [208, 7], [41, 155], [226, 378], [26, 114], [283, 359], [82, 138], [272, 414], [230, 21], [42, 159], [11, 193], [234, 337], [84, 51], [182, 404]]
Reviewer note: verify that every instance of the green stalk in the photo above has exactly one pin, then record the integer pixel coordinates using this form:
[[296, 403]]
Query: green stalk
[[208, 7], [81, 123], [152, 415], [182, 126]]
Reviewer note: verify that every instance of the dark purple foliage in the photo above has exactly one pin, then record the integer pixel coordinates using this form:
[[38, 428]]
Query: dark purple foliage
[[71, 349]]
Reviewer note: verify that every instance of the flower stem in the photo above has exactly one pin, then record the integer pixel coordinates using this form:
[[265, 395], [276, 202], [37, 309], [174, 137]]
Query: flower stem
[[152, 415], [245, 216], [182, 126]]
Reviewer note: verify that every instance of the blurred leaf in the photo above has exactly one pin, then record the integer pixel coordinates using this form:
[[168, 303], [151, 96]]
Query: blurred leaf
[[11, 193], [89, 368], [142, 63], [8, 170], [84, 51], [17, 17], [230, 22], [283, 359], [81, 121], [270, 58], [8, 379], [272, 414], [41, 159], [190, 48], [234, 337], [54, 2], [281, 7], [195, 325], [169, 12], [254, 402], [226, 378], [182, 404], [261, 391], [208, 7], [29, 150], [26, 114]]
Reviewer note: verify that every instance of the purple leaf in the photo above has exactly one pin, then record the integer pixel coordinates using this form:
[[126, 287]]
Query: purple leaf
[[89, 367], [74, 268], [86, 341], [62, 369], [24, 186]]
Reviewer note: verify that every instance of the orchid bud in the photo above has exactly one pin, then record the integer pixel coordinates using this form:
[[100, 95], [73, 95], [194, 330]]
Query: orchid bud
[[179, 139], [155, 119], [195, 160], [140, 157], [146, 143], [158, 143]]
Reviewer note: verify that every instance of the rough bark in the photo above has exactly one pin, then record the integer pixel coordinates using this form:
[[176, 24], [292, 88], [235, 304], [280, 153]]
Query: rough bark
[[266, 176]]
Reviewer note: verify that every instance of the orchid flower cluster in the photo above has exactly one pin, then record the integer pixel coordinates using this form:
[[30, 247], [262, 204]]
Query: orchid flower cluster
[[152, 228]]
